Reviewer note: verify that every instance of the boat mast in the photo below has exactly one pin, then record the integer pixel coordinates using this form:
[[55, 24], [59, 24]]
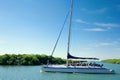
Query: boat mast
[[69, 34]]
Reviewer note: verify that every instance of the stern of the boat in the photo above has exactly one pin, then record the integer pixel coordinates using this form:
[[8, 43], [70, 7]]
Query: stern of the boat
[[112, 71]]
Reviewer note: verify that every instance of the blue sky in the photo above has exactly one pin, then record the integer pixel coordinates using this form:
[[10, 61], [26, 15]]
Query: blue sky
[[32, 26]]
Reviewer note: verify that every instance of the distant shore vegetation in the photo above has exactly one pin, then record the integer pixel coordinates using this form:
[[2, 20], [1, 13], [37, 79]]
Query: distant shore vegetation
[[113, 61], [29, 59]]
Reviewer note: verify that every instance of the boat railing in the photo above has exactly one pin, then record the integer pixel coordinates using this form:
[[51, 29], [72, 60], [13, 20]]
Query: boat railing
[[86, 64]]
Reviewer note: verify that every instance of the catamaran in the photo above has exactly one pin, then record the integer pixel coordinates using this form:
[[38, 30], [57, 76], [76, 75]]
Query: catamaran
[[82, 66]]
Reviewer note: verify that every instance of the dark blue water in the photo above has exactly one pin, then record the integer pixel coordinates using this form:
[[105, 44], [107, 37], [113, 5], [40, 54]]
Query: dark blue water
[[33, 73]]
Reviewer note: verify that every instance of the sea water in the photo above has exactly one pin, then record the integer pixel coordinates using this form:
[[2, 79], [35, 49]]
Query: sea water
[[34, 73]]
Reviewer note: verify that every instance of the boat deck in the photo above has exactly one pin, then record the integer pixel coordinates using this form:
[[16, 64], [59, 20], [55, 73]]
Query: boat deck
[[63, 66]]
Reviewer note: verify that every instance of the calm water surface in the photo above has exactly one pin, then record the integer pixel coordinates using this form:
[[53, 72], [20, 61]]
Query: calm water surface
[[33, 73]]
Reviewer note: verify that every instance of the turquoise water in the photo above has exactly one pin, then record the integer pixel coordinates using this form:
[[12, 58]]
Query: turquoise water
[[33, 73]]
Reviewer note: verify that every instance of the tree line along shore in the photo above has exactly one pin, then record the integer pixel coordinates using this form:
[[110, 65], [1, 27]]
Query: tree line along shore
[[113, 61], [29, 59], [36, 59]]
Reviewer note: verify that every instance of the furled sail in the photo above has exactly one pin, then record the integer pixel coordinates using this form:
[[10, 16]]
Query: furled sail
[[69, 56]]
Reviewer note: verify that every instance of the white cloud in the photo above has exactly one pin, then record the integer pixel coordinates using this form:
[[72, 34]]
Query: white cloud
[[28, 1], [87, 48], [102, 10], [106, 24], [81, 21], [84, 9], [95, 29], [109, 17], [107, 43], [98, 11], [118, 7], [100, 26], [3, 42], [109, 25], [118, 48]]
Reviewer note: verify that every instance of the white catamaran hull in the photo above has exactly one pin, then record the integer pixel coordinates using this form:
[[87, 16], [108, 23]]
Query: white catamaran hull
[[77, 69]]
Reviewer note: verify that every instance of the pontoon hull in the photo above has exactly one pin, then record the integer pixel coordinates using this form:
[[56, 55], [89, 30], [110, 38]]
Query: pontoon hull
[[77, 70]]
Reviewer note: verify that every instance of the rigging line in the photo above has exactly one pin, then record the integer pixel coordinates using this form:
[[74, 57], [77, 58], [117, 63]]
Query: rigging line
[[60, 33], [69, 35]]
